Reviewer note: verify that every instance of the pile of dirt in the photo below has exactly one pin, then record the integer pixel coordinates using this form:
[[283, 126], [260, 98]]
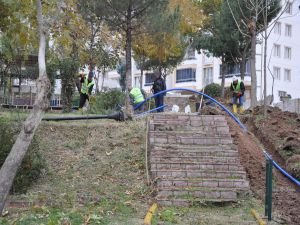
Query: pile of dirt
[[280, 134], [275, 133]]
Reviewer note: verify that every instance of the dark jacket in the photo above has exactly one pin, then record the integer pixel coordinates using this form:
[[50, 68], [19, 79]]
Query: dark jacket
[[159, 84]]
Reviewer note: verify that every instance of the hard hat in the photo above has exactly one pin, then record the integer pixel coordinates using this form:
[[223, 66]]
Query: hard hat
[[234, 78]]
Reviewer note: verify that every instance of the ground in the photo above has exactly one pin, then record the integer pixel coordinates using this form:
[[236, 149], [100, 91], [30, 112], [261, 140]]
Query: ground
[[278, 134], [96, 175]]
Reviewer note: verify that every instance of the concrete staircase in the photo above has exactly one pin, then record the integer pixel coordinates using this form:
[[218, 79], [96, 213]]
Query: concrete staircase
[[193, 160]]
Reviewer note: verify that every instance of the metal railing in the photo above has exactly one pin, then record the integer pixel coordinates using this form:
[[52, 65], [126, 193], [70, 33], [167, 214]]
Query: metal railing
[[269, 179]]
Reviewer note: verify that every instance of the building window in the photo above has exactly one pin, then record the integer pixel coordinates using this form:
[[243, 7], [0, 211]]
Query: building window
[[281, 93], [277, 28], [288, 8], [277, 50], [207, 76], [288, 30], [149, 78], [185, 75], [276, 71], [287, 53], [287, 75]]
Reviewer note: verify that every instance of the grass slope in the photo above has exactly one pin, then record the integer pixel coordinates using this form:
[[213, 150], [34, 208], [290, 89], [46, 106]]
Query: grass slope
[[96, 175]]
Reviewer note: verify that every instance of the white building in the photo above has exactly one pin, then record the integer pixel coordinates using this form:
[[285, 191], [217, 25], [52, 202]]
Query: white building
[[283, 56], [283, 63]]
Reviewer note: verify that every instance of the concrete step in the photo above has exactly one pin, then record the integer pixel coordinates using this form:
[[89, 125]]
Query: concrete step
[[194, 153], [186, 120], [185, 139], [192, 147], [195, 159], [198, 192], [173, 174], [190, 202], [194, 134], [200, 128], [203, 182], [196, 166]]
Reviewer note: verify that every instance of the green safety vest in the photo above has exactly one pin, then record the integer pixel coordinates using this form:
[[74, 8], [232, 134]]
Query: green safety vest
[[136, 95], [86, 86], [237, 88]]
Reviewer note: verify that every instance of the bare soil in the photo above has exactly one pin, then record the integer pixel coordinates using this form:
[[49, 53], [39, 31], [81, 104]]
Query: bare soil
[[278, 134]]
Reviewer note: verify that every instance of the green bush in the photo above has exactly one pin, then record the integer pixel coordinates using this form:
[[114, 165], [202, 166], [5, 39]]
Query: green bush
[[32, 165], [213, 90], [106, 102]]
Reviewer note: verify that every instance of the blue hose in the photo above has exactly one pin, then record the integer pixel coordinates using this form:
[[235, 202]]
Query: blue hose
[[282, 170], [199, 93]]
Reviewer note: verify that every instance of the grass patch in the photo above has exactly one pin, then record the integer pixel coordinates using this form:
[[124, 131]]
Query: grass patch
[[203, 214]]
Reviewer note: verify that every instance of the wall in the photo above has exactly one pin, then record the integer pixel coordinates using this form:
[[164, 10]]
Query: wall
[[292, 105]]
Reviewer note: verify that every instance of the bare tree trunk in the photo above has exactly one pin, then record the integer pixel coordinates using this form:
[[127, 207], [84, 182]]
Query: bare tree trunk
[[253, 63], [265, 60], [223, 78], [103, 76], [19, 149], [243, 66], [128, 81], [97, 81]]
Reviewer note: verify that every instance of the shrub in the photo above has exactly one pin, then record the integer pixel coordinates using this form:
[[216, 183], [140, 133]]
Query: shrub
[[213, 90], [32, 165], [106, 102]]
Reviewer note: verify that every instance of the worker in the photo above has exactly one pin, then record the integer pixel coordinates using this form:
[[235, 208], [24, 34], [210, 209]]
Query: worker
[[136, 97], [238, 88], [158, 86], [87, 84]]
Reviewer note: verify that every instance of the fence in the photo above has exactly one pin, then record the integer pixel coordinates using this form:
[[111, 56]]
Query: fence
[[26, 101]]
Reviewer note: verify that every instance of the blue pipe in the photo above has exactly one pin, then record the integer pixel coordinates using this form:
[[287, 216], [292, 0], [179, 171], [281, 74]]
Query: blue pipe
[[282, 170], [199, 93]]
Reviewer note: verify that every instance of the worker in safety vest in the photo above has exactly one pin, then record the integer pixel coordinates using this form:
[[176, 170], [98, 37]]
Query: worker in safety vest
[[238, 89], [87, 84], [136, 96]]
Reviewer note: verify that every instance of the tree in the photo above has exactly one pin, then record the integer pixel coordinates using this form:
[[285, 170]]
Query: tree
[[125, 16], [17, 40], [19, 149], [217, 35], [69, 38], [249, 19], [162, 45]]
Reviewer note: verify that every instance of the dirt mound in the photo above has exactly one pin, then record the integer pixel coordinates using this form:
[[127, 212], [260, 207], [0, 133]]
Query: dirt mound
[[280, 134], [286, 197]]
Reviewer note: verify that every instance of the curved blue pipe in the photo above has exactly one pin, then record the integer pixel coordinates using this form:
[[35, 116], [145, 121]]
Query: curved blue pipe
[[282, 170], [199, 93]]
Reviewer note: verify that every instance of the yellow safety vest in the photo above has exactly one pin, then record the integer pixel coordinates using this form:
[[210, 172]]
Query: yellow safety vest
[[136, 95], [236, 88], [86, 86]]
